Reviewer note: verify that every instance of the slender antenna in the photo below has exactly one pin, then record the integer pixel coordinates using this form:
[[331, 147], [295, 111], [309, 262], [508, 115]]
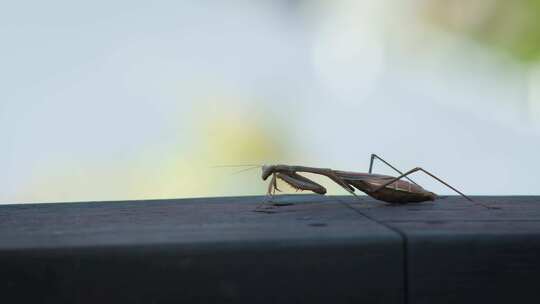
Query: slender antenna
[[251, 167], [247, 169], [232, 166]]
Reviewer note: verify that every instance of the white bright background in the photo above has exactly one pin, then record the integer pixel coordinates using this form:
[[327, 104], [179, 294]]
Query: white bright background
[[118, 100]]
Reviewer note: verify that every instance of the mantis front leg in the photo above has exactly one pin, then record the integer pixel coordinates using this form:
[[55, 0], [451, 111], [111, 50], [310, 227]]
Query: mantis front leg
[[300, 182], [294, 180], [272, 187]]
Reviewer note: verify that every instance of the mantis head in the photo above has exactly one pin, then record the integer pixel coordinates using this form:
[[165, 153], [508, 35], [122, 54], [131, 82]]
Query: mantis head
[[267, 170]]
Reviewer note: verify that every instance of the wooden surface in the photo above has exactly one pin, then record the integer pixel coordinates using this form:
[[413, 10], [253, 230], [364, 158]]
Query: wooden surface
[[461, 253], [319, 249]]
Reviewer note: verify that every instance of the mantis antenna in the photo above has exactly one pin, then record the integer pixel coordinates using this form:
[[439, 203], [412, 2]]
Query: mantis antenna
[[251, 167], [232, 166]]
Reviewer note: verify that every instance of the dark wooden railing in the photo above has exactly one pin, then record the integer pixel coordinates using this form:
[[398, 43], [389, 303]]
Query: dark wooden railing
[[317, 250]]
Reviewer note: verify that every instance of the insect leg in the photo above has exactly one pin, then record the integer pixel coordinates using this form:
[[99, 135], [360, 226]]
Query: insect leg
[[375, 156], [435, 177], [272, 186], [300, 182], [295, 180], [331, 174], [425, 171]]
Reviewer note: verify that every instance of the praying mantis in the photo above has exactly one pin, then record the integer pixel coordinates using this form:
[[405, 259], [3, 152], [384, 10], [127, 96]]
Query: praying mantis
[[385, 188]]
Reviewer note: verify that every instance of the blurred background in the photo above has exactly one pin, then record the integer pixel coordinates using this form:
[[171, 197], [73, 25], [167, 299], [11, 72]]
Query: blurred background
[[114, 100]]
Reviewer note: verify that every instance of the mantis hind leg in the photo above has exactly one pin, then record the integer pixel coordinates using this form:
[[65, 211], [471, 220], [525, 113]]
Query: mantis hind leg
[[436, 178], [375, 156]]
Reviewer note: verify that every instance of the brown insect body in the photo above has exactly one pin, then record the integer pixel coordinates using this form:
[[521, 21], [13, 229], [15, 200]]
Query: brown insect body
[[400, 191], [395, 191], [381, 187]]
